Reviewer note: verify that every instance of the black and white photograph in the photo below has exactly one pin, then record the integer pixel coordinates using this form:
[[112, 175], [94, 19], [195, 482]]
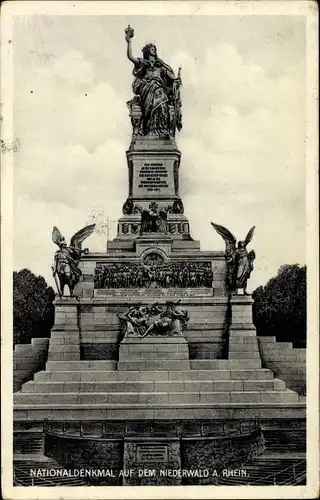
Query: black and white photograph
[[159, 249]]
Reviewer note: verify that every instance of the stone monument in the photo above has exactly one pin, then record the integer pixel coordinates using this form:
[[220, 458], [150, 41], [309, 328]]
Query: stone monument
[[155, 357]]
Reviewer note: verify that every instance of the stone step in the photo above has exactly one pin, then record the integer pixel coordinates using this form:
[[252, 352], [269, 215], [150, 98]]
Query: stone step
[[284, 357], [243, 340], [154, 364], [135, 375], [64, 348], [40, 341], [171, 411], [148, 398], [197, 337], [61, 341], [31, 442], [275, 345], [267, 340], [242, 347], [64, 356], [81, 365], [159, 341], [224, 364], [158, 356], [281, 347], [155, 386], [153, 347], [296, 378], [23, 348], [65, 335], [25, 363], [285, 364], [255, 355], [242, 333]]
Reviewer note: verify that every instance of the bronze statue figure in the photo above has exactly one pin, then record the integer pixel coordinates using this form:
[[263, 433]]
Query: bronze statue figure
[[154, 220], [239, 260], [134, 321], [164, 320], [66, 259], [156, 108]]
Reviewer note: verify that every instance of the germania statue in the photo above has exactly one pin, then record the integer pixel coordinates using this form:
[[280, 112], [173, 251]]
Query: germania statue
[[156, 108], [66, 259], [239, 260]]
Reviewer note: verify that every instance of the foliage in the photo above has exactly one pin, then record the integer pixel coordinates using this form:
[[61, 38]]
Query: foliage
[[279, 308], [33, 309]]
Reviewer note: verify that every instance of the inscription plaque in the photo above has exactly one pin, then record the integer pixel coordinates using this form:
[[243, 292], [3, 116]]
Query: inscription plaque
[[152, 453], [153, 176], [154, 292]]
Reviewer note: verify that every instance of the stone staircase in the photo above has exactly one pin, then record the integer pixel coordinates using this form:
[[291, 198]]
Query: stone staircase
[[154, 377], [207, 384], [288, 363], [28, 442], [27, 360], [292, 440]]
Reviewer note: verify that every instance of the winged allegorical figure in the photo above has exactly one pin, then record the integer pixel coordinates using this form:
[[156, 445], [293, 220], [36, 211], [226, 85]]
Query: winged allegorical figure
[[66, 259], [239, 260]]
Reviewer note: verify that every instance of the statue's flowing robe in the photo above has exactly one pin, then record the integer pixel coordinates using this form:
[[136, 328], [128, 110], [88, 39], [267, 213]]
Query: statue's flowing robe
[[153, 85], [244, 267]]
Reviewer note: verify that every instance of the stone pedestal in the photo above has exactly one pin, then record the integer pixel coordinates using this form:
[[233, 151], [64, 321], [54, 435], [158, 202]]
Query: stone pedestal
[[243, 342], [64, 343], [154, 352], [153, 174], [241, 313]]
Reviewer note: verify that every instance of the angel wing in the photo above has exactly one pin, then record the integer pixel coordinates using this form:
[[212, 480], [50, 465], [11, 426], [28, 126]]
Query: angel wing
[[249, 236], [81, 235], [251, 257], [56, 236], [229, 239]]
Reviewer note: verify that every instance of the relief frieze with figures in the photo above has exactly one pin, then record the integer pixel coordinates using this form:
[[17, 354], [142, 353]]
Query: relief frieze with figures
[[153, 274]]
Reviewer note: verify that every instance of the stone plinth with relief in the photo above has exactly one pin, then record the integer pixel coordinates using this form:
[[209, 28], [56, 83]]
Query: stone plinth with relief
[[169, 385]]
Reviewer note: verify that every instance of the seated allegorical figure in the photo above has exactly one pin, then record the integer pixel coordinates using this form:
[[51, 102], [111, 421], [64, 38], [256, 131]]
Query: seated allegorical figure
[[156, 89]]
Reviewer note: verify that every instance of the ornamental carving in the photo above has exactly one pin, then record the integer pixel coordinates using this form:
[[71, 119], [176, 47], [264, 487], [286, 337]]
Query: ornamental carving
[[154, 274], [129, 208], [165, 320], [154, 220]]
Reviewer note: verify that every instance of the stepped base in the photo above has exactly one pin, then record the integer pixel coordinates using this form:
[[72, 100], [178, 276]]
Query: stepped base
[[148, 389], [156, 398], [219, 411], [160, 375], [154, 386], [155, 365]]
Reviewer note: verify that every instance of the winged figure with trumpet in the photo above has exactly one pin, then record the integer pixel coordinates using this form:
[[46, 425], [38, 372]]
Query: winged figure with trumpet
[[239, 260], [66, 259]]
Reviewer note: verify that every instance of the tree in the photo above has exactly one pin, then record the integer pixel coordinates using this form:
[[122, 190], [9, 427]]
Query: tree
[[33, 309], [279, 308]]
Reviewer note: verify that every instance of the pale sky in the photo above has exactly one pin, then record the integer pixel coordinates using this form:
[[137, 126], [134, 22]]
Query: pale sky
[[242, 143]]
